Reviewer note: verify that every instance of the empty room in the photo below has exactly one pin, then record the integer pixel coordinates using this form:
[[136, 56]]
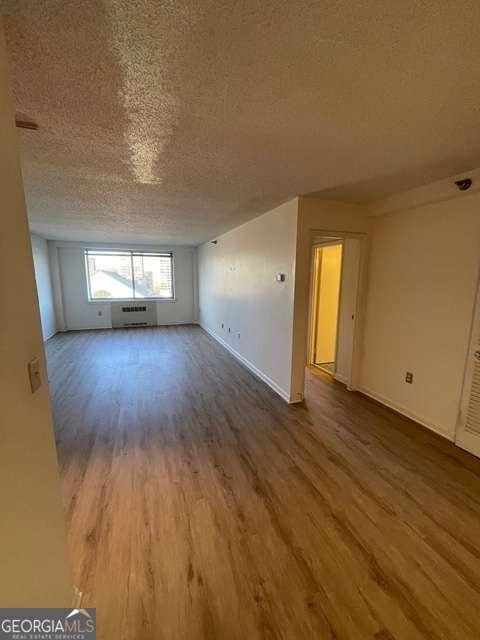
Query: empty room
[[240, 328]]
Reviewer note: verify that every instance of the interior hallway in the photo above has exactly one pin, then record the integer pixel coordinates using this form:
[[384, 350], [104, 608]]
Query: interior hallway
[[200, 505]]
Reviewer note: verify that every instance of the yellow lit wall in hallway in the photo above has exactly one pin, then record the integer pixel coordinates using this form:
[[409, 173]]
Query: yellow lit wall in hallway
[[329, 264]]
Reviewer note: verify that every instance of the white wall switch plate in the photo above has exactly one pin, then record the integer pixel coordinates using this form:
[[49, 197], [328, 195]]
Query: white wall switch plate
[[34, 374]]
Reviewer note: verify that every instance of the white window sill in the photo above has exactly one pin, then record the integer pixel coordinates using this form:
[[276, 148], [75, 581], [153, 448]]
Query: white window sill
[[135, 301]]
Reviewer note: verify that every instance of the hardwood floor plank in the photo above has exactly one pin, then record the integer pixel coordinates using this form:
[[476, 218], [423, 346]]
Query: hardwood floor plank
[[200, 505]]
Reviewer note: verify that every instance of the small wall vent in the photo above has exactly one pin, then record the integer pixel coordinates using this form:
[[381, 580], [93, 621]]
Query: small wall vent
[[130, 309]]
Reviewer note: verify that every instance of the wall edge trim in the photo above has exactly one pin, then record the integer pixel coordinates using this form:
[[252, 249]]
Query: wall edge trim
[[159, 324], [405, 412], [251, 367]]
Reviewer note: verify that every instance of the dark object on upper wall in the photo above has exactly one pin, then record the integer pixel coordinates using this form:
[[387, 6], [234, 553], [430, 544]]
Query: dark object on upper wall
[[26, 124], [464, 184]]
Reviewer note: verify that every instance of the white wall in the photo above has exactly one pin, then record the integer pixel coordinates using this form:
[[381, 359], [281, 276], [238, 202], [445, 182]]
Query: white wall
[[237, 288], [72, 299], [34, 570], [422, 278], [43, 280]]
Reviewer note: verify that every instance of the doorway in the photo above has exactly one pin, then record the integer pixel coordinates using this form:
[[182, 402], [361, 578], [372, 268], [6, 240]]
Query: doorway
[[344, 254], [327, 275]]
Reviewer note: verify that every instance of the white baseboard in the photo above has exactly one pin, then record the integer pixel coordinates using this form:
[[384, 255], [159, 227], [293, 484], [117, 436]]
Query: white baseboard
[[341, 378], [109, 326], [54, 333], [259, 374], [67, 329], [405, 412]]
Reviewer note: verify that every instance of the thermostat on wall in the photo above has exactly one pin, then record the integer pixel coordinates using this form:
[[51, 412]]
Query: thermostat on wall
[[280, 277]]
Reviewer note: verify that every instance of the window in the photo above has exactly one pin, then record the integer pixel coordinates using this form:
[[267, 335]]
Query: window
[[128, 275]]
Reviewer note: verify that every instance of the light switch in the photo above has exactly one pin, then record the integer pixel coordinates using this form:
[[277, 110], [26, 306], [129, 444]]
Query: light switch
[[34, 374], [280, 277]]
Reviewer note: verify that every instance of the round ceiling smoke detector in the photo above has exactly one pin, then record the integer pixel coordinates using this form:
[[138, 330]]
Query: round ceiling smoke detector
[[464, 184]]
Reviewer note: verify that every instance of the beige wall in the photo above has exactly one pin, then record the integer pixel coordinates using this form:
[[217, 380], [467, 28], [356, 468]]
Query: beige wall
[[423, 271], [238, 288], [33, 565]]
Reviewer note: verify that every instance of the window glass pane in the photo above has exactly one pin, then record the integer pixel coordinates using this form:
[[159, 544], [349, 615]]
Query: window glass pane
[[153, 276], [110, 275]]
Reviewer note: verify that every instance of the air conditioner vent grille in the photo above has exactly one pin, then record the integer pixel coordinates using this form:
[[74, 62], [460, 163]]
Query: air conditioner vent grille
[[143, 314], [130, 309]]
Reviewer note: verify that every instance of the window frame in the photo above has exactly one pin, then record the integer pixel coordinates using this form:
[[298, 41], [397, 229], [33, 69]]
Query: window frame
[[131, 253]]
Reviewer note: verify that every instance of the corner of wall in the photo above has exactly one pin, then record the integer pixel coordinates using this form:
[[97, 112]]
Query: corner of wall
[[56, 285], [196, 308]]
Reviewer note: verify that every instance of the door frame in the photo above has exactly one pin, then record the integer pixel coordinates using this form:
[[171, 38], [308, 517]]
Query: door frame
[[464, 438], [334, 236], [313, 302]]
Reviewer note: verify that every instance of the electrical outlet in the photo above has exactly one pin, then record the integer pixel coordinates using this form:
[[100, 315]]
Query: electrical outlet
[[34, 374], [409, 377], [100, 312]]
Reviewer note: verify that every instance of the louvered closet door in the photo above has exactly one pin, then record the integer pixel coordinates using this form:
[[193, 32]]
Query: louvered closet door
[[473, 411], [468, 428]]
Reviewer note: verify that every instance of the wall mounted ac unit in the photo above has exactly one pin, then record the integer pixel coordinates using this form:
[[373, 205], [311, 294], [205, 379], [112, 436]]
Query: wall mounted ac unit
[[134, 314]]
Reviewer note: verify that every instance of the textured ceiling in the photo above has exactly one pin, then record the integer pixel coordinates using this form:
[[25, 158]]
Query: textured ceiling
[[174, 121]]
